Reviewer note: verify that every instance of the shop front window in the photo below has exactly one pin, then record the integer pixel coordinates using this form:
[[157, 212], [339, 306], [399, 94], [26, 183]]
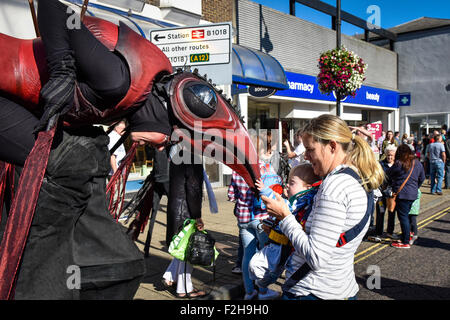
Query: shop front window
[[263, 121], [417, 126], [355, 123], [262, 115], [420, 125], [298, 124], [289, 129], [436, 121]]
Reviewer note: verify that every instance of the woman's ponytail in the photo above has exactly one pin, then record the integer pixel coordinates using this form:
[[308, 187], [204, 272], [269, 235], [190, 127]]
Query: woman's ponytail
[[361, 155]]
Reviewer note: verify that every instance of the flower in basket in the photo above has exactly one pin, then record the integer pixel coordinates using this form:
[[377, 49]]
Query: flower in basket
[[341, 71]]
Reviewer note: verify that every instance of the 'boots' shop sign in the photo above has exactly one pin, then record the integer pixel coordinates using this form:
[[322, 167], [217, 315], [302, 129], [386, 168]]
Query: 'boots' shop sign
[[306, 87], [261, 92]]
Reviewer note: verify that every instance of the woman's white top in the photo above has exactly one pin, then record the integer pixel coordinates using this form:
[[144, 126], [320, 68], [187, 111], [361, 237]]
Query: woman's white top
[[339, 204]]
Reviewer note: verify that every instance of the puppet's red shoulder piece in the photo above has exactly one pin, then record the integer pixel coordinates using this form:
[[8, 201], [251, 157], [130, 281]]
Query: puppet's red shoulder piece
[[24, 70]]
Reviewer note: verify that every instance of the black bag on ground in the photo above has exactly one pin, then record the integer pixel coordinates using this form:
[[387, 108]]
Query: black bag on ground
[[200, 250]]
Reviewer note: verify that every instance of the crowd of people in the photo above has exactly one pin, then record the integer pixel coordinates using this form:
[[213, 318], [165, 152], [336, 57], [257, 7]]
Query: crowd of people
[[430, 157], [432, 150], [280, 225], [289, 225], [293, 230]]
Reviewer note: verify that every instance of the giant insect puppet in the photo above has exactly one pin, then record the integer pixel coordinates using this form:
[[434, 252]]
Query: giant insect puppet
[[24, 72]]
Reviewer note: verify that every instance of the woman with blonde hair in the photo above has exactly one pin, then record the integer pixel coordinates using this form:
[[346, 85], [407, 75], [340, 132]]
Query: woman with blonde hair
[[322, 265]]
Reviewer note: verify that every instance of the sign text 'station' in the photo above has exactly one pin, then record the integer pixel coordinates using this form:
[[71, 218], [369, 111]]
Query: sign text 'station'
[[199, 45]]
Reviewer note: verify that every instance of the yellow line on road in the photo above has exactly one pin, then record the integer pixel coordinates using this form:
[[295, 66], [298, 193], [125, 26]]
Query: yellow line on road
[[365, 257], [368, 249], [438, 215], [431, 217], [433, 220]]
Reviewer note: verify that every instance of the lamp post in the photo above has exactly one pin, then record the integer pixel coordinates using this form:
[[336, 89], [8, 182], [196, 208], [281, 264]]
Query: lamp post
[[84, 9], [33, 15], [338, 45]]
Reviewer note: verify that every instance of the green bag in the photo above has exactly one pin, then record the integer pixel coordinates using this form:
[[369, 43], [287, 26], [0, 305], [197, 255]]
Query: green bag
[[415, 207], [180, 241]]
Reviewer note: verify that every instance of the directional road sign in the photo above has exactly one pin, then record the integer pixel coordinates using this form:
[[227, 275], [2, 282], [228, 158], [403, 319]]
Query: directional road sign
[[197, 45]]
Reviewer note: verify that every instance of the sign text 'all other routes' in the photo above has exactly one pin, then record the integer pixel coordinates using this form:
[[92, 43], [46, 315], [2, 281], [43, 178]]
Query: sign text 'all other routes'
[[198, 45]]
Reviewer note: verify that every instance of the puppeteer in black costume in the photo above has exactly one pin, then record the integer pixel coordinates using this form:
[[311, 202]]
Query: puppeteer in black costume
[[68, 80]]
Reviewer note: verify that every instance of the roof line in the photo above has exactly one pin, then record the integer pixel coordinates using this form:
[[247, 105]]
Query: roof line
[[401, 24]]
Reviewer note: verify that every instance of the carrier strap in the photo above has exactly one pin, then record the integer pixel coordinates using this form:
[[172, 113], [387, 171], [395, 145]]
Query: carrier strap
[[344, 238]]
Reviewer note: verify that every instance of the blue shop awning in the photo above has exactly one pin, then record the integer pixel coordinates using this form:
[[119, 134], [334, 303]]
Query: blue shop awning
[[253, 67]]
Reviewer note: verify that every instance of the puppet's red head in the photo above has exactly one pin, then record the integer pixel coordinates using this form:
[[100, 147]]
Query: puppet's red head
[[208, 124]]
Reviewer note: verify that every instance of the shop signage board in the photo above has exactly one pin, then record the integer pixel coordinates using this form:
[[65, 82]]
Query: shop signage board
[[261, 92], [375, 128], [306, 87], [404, 99], [196, 45]]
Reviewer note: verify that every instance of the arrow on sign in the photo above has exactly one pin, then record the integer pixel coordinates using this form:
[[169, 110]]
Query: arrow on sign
[[157, 37]]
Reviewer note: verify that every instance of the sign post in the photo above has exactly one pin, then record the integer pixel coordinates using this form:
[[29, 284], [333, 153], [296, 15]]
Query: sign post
[[338, 46], [200, 46]]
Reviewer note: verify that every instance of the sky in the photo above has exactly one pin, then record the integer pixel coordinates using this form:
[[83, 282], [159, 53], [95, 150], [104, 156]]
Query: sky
[[391, 12]]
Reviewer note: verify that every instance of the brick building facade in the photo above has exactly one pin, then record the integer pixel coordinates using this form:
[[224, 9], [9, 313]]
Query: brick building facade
[[212, 10], [217, 10]]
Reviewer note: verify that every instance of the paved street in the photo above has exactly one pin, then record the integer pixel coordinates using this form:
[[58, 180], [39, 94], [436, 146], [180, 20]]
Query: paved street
[[421, 272], [418, 273]]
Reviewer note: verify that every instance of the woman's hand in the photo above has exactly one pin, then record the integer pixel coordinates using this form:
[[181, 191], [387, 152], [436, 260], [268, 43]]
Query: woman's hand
[[199, 224], [276, 207]]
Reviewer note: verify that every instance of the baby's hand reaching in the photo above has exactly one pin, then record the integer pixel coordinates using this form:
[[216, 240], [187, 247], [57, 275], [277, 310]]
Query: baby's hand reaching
[[259, 184]]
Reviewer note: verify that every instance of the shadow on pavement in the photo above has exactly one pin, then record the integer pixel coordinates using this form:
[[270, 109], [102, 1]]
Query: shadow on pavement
[[432, 243], [399, 290], [438, 229]]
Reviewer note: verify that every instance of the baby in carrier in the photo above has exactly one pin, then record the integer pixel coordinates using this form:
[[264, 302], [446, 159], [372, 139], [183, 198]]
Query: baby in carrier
[[267, 264]]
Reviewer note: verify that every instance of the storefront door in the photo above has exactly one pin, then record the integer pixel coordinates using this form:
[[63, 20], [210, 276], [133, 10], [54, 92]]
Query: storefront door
[[425, 124]]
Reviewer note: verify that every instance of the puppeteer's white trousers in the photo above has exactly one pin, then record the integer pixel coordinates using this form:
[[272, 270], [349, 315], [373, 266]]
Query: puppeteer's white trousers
[[175, 273]]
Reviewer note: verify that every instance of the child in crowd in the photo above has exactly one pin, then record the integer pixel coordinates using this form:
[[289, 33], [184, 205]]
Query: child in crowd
[[249, 212], [268, 264], [413, 213]]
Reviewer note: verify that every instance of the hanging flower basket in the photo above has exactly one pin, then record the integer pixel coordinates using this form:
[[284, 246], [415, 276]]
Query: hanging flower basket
[[341, 71]]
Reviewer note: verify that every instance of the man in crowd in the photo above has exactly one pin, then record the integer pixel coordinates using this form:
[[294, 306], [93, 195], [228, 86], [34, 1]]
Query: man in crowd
[[397, 137], [447, 163], [436, 154], [296, 157]]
